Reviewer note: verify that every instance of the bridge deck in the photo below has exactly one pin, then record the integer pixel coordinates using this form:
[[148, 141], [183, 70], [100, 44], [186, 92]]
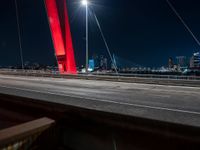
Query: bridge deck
[[172, 104]]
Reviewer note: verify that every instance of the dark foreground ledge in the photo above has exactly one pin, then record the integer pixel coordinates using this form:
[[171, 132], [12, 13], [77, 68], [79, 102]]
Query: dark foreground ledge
[[23, 135], [87, 129]]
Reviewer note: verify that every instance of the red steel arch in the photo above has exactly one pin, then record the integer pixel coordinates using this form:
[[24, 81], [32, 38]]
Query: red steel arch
[[61, 35]]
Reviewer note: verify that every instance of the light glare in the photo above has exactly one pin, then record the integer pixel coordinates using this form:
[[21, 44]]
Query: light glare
[[84, 2]]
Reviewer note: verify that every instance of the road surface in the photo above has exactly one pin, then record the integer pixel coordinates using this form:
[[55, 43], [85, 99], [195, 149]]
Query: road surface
[[174, 104]]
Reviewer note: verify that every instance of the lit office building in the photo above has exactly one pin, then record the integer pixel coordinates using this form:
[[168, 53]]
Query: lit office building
[[195, 60], [181, 61]]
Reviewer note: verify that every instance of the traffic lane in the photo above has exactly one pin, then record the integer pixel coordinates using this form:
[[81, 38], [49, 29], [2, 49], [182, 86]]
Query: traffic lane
[[151, 95], [134, 110]]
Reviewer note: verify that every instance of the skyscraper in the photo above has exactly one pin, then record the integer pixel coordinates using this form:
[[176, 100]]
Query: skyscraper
[[181, 61], [170, 63], [195, 60]]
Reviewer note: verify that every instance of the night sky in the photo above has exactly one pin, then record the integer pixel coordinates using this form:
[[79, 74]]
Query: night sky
[[145, 32]]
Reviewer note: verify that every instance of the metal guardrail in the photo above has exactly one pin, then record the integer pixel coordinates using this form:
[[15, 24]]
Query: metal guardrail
[[109, 75], [22, 136], [153, 76]]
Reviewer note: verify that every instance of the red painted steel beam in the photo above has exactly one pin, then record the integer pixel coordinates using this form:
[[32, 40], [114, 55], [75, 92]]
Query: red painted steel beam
[[71, 65], [61, 35]]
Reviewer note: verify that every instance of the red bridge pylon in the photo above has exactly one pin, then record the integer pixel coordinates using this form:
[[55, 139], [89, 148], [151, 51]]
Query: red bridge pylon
[[61, 35]]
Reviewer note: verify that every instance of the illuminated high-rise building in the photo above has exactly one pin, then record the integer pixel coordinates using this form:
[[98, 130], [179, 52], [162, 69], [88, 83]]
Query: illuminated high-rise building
[[195, 60], [181, 61]]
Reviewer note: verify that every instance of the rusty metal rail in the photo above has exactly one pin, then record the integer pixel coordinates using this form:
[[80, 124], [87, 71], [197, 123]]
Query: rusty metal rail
[[22, 136]]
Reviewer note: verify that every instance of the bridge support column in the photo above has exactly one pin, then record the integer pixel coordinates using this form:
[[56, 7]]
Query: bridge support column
[[61, 35]]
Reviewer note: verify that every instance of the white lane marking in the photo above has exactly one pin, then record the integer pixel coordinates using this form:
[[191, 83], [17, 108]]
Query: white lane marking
[[107, 101], [160, 96]]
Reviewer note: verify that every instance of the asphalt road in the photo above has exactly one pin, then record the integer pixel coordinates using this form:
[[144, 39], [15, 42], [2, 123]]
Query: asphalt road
[[180, 105]]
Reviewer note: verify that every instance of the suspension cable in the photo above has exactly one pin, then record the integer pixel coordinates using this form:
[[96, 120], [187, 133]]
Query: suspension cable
[[106, 44], [19, 35], [184, 23]]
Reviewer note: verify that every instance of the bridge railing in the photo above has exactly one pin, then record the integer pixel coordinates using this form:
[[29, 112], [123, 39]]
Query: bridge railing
[[175, 77], [45, 73]]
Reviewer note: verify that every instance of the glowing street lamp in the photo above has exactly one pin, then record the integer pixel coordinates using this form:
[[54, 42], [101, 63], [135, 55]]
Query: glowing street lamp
[[85, 3]]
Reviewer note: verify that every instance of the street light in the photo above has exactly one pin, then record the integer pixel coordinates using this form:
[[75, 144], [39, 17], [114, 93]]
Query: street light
[[85, 3]]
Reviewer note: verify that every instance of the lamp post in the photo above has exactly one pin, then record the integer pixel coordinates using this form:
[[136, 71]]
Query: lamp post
[[85, 3]]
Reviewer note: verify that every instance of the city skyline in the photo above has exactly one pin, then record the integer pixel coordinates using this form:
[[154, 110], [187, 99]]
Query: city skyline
[[150, 35]]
